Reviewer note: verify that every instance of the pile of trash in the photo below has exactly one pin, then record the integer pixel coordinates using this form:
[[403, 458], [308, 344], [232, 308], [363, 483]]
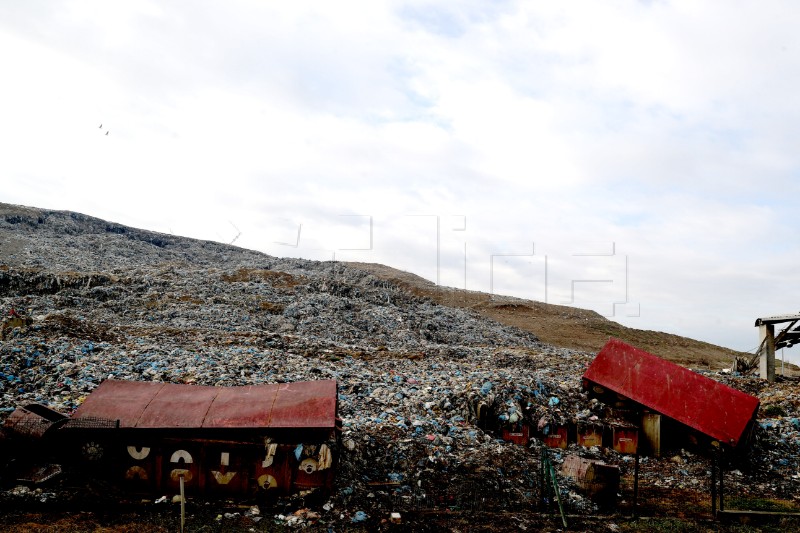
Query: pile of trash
[[424, 390]]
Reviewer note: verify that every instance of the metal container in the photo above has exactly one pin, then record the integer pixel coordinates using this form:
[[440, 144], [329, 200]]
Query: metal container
[[625, 438], [590, 434], [518, 434], [556, 436]]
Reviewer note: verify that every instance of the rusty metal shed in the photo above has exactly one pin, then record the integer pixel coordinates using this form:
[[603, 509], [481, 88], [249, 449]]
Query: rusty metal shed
[[152, 437], [713, 409], [306, 405]]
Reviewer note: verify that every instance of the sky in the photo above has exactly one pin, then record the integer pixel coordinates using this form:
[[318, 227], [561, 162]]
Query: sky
[[637, 158]]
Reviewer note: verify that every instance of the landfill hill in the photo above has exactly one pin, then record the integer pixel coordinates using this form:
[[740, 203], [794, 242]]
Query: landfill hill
[[425, 389], [559, 325], [62, 236]]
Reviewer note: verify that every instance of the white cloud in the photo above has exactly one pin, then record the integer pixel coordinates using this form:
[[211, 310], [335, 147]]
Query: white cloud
[[668, 128]]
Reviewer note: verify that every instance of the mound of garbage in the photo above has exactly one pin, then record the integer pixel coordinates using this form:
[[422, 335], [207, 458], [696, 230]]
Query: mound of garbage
[[424, 390]]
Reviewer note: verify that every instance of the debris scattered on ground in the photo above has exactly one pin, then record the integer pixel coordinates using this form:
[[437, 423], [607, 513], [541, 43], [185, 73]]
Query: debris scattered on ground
[[424, 389]]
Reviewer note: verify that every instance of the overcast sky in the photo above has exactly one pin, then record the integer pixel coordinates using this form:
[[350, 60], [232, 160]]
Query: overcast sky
[[636, 158]]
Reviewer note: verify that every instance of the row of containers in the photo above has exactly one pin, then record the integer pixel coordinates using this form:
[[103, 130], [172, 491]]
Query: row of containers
[[620, 436]]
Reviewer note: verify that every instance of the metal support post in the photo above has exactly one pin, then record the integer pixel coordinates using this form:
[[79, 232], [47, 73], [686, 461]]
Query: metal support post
[[721, 480], [713, 485], [636, 484]]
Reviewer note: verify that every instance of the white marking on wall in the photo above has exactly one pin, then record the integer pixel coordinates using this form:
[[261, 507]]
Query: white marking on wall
[[271, 449], [181, 454], [223, 479], [138, 454]]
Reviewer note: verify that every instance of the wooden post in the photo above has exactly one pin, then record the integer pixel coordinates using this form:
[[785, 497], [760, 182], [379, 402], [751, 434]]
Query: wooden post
[[183, 506]]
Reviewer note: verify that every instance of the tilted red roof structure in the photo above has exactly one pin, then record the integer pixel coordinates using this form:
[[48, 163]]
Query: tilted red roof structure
[[151, 405], [710, 407]]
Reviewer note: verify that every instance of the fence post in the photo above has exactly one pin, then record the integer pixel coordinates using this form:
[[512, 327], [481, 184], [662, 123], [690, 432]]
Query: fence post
[[542, 482], [636, 484], [721, 479], [713, 485], [183, 506]]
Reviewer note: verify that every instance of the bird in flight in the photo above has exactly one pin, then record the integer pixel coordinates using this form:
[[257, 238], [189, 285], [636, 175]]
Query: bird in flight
[[101, 126], [107, 133]]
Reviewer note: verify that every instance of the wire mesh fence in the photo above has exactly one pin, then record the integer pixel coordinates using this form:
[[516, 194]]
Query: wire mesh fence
[[731, 495], [650, 489], [651, 493]]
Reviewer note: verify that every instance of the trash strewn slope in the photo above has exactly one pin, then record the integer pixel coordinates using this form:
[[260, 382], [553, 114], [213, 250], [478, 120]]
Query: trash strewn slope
[[423, 386]]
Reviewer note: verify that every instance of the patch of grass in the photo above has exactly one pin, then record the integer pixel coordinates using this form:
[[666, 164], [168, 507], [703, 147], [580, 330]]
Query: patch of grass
[[760, 504]]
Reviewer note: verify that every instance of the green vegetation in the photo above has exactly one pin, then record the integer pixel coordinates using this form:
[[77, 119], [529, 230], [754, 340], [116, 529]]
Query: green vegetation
[[760, 504]]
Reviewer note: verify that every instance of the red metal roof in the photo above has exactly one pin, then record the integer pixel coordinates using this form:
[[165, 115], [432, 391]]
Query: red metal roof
[[714, 409], [309, 404]]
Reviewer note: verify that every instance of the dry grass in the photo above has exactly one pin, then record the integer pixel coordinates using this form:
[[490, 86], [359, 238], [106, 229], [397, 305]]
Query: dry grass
[[273, 278]]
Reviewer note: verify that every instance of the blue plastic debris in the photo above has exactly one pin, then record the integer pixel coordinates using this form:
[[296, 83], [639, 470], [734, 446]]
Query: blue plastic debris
[[360, 516]]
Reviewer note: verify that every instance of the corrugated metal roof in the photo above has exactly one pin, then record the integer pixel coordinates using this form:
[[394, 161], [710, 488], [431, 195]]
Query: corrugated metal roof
[[309, 404], [775, 319], [710, 407]]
